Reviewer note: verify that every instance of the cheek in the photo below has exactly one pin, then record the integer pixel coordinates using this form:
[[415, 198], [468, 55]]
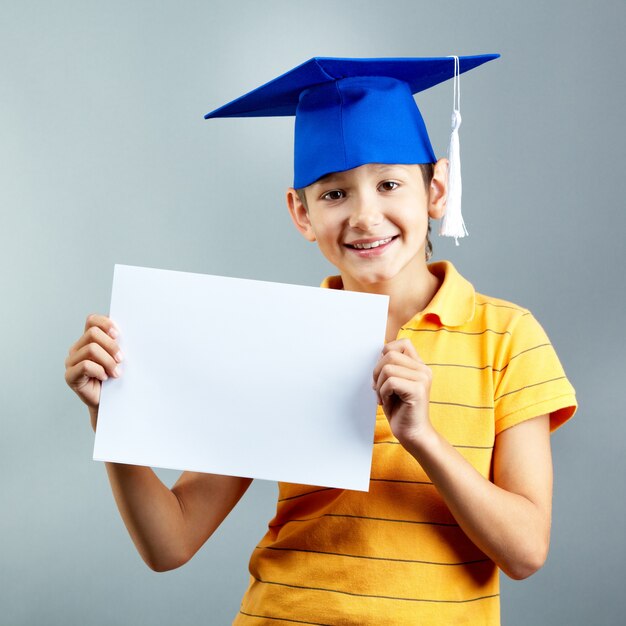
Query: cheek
[[413, 220], [328, 241], [326, 230]]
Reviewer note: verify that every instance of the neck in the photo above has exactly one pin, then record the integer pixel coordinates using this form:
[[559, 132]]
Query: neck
[[407, 296]]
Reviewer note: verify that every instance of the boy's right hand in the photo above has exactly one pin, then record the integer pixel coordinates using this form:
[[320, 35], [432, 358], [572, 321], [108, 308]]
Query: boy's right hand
[[92, 359]]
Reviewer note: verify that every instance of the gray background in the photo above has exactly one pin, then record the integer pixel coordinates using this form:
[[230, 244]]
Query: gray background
[[105, 158]]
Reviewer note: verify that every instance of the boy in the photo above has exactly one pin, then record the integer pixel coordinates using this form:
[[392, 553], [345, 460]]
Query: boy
[[468, 387]]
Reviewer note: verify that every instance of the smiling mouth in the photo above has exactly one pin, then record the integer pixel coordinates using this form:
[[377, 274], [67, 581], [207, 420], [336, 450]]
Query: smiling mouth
[[368, 245]]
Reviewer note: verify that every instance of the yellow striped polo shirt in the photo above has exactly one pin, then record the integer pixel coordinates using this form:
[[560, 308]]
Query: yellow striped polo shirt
[[395, 555]]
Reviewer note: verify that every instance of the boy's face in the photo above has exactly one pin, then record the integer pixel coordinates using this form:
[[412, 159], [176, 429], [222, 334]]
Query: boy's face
[[371, 222]]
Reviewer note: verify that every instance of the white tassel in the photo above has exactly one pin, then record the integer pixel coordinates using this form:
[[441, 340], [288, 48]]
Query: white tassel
[[452, 224]]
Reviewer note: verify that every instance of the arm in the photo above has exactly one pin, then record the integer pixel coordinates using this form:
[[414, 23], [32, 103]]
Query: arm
[[509, 519], [168, 526]]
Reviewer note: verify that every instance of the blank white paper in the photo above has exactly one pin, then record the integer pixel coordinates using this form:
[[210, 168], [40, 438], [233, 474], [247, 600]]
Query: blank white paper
[[243, 378]]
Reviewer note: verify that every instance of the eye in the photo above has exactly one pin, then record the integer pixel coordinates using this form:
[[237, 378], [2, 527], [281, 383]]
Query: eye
[[388, 185], [334, 194]]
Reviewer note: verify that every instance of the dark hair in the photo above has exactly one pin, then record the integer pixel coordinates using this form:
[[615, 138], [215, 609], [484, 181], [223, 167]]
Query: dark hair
[[427, 169]]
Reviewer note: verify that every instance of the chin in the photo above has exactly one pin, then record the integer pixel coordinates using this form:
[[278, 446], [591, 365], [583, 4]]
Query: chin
[[375, 278]]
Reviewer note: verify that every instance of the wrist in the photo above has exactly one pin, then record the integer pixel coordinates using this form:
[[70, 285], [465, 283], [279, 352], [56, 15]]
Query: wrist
[[422, 442]]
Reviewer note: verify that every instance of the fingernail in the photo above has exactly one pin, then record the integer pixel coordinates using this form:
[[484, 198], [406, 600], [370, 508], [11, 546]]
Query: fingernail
[[113, 332], [116, 372], [119, 356]]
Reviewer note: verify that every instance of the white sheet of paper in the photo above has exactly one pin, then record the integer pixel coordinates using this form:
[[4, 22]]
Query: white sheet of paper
[[242, 377]]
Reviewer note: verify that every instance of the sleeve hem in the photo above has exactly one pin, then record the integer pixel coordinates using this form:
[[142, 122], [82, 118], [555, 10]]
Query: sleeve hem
[[560, 409]]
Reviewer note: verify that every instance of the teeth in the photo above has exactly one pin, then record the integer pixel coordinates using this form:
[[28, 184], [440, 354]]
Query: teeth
[[371, 244]]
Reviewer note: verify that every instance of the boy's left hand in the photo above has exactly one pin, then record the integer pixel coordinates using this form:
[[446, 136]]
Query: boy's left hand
[[402, 383]]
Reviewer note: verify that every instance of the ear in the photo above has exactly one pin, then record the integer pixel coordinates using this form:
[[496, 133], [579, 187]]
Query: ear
[[299, 214], [438, 190]]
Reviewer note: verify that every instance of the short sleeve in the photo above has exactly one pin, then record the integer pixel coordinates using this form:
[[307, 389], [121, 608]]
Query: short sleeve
[[529, 379]]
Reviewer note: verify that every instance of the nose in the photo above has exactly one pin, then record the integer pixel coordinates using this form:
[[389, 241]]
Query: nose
[[366, 214]]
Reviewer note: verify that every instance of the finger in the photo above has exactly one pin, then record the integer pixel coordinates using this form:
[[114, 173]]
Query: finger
[[96, 353], [416, 382], [85, 380], [103, 322], [399, 392], [397, 358], [95, 334], [398, 387], [404, 346], [410, 391], [83, 371], [398, 371]]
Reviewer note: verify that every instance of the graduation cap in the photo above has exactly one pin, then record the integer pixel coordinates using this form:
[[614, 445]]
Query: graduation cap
[[350, 112]]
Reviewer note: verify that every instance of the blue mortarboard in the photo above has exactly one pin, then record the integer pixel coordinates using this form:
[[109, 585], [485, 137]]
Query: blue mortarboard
[[350, 112]]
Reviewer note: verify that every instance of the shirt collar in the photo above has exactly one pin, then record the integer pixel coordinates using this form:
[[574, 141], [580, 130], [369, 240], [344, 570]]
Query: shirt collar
[[332, 282], [454, 302]]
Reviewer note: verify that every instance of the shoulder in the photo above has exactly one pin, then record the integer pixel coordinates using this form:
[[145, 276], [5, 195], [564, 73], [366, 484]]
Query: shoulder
[[489, 302], [511, 329], [528, 376], [489, 310], [517, 326]]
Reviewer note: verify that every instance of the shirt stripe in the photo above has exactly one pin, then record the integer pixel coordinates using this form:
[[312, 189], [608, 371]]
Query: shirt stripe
[[501, 306], [490, 367], [364, 517], [306, 493], [456, 332], [368, 595], [397, 443], [374, 558], [464, 406], [395, 480], [543, 382], [284, 619]]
